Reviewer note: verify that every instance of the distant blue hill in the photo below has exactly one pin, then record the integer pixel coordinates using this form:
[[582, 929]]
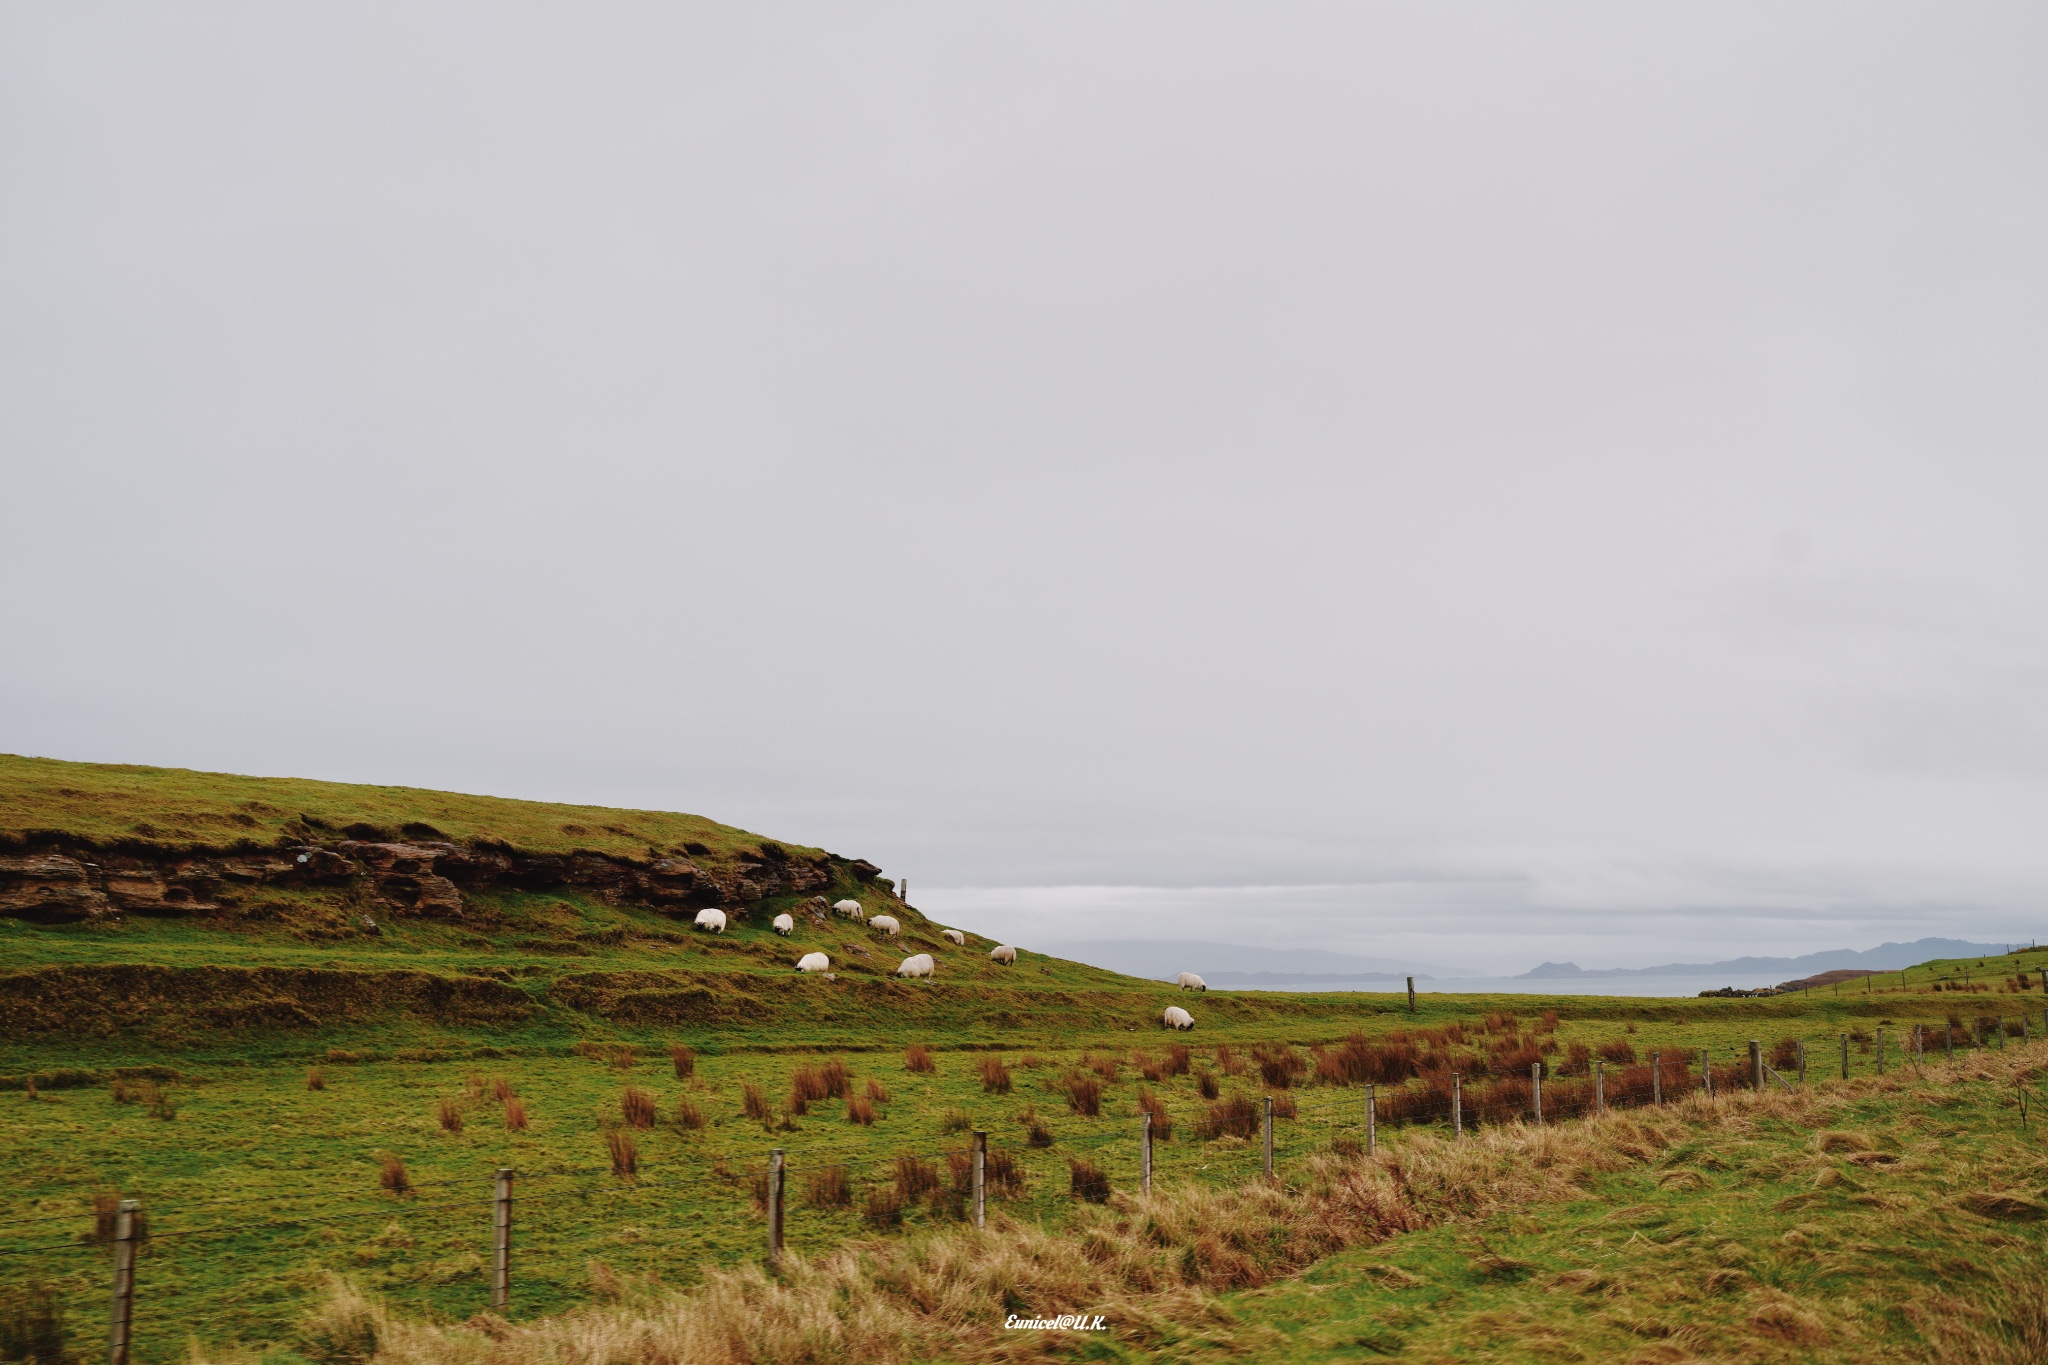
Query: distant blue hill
[[1162, 960], [1886, 957]]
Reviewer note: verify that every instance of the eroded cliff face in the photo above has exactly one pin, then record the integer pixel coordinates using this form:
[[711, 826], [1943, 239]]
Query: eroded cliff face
[[56, 883]]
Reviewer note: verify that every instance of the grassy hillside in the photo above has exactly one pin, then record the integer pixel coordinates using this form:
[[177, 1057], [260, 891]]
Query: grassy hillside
[[248, 1066], [119, 805]]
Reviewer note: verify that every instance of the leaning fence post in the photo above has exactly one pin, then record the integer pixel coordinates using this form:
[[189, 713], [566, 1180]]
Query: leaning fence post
[[1845, 1054], [1144, 1156], [1756, 1066], [124, 1282], [981, 1169], [774, 1206], [1268, 1135], [1599, 1087], [501, 1240], [1372, 1121], [1536, 1089], [1656, 1078], [1457, 1105]]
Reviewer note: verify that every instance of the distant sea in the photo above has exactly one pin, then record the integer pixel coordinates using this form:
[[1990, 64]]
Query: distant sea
[[1509, 985]]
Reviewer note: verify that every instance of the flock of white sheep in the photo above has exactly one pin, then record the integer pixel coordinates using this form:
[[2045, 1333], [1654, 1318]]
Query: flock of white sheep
[[920, 965]]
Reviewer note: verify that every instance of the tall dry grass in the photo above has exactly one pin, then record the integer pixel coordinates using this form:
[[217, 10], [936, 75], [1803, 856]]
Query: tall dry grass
[[1154, 1264]]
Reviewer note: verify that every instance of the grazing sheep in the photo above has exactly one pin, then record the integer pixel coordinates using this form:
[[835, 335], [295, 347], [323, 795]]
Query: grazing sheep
[[850, 909], [1005, 955], [954, 937], [785, 925], [887, 924], [714, 920], [1190, 982], [814, 962], [919, 965], [1176, 1017]]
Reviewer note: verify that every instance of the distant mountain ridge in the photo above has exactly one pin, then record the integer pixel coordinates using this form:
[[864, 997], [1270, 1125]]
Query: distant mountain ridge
[[1886, 957]]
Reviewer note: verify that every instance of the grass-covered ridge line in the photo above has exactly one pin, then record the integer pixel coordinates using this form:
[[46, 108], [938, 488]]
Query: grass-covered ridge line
[[129, 806]]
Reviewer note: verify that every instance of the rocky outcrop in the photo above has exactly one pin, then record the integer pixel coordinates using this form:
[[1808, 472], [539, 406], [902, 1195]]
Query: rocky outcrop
[[425, 878]]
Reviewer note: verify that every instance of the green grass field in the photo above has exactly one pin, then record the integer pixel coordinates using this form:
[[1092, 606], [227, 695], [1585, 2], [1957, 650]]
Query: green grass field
[[167, 1059]]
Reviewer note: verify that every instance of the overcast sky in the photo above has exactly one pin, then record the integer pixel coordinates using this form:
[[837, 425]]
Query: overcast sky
[[1484, 483]]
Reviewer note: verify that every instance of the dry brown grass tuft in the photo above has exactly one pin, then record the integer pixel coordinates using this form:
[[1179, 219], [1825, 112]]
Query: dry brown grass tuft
[[1207, 1085], [501, 1089], [1084, 1095], [918, 1058], [753, 1104], [995, 1077], [884, 1208], [1235, 1117], [450, 1114], [828, 1188], [316, 1079], [624, 1153], [914, 1178], [859, 1110], [1088, 1181], [392, 1175], [1162, 1121], [637, 1108], [956, 1121], [684, 1061], [687, 1115], [515, 1115], [876, 1094]]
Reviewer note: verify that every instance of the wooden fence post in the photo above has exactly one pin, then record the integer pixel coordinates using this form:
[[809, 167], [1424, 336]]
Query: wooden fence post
[[1756, 1066], [1880, 1052], [501, 1240], [774, 1206], [1707, 1071], [1845, 1055], [981, 1169], [1656, 1078], [1536, 1089], [1411, 995], [1800, 1049], [124, 1282], [1144, 1154], [1457, 1105], [1599, 1087], [1948, 1040], [1372, 1121], [1267, 1127]]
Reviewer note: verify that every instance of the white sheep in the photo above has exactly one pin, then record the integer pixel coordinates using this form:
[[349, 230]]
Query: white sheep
[[1005, 955], [918, 965], [785, 925], [850, 909], [887, 924], [1190, 982], [714, 920], [954, 937], [1176, 1017], [814, 962]]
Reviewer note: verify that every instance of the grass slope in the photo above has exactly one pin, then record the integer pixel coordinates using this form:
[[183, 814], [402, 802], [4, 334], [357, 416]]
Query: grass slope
[[119, 805]]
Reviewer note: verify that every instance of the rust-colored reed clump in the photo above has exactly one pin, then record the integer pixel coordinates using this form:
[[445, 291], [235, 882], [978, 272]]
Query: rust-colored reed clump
[[393, 1176], [625, 1153], [637, 1108], [687, 1115], [1234, 1117], [501, 1089], [918, 1058], [683, 1059], [1207, 1085], [753, 1103], [316, 1079], [1162, 1121], [450, 1114], [995, 1077], [1360, 1061], [1620, 1051], [515, 1115], [1084, 1095], [914, 1178], [1088, 1181], [1176, 1062], [1278, 1066], [884, 1209], [860, 1110], [876, 1094], [828, 1188]]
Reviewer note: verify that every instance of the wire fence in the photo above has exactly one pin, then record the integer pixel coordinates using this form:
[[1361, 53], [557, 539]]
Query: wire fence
[[525, 1245]]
